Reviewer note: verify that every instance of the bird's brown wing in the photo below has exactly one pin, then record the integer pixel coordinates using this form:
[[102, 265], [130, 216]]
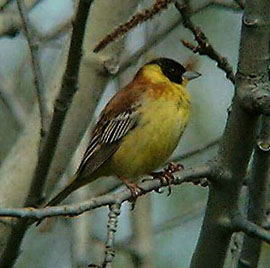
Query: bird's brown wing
[[118, 117], [106, 138]]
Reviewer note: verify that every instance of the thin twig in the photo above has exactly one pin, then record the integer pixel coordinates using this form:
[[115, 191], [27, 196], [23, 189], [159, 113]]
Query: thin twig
[[137, 19], [160, 36], [126, 245], [203, 47], [38, 80], [112, 228], [187, 175]]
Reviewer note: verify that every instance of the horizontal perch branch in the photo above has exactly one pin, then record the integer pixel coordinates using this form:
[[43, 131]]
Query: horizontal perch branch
[[188, 175], [240, 224]]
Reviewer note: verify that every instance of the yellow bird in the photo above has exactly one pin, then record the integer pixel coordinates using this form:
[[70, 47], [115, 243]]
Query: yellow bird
[[139, 128]]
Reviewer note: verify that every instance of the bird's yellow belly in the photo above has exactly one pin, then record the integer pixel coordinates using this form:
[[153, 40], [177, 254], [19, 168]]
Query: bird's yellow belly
[[152, 141]]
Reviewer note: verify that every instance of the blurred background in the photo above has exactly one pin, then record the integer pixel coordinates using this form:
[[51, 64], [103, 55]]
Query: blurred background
[[162, 231]]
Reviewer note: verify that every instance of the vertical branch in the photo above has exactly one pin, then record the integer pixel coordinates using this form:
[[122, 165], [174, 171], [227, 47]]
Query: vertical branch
[[112, 228], [238, 139], [258, 190], [69, 87], [38, 81]]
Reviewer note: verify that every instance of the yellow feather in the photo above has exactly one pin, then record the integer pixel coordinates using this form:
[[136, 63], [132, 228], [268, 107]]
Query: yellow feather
[[163, 119], [164, 112]]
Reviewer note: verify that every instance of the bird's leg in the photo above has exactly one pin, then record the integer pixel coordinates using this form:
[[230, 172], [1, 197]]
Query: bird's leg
[[134, 189], [166, 176]]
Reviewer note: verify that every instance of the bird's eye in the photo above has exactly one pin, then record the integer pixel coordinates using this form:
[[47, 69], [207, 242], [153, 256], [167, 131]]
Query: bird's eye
[[172, 70]]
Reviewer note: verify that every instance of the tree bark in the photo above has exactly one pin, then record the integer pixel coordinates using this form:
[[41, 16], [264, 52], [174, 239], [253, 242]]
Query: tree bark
[[238, 140]]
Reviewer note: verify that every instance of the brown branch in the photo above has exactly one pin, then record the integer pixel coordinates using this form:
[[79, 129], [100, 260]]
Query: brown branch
[[38, 80], [187, 175], [203, 47], [162, 35], [69, 87], [137, 19]]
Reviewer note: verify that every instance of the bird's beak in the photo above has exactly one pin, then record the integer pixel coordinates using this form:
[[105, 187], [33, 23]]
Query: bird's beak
[[190, 75]]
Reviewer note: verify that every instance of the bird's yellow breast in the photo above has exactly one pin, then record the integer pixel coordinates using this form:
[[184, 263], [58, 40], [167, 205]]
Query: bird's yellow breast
[[152, 141]]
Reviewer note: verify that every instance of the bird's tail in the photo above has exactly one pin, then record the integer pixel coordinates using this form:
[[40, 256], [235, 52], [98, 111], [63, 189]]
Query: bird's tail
[[74, 185]]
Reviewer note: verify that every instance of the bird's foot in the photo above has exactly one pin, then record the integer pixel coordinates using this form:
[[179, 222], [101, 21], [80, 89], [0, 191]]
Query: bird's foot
[[166, 176], [134, 189]]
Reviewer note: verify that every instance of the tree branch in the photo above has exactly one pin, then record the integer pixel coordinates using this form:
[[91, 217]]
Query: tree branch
[[240, 224], [160, 36], [187, 175], [204, 47], [238, 140], [255, 95], [112, 228], [38, 80], [69, 87], [137, 19], [258, 187]]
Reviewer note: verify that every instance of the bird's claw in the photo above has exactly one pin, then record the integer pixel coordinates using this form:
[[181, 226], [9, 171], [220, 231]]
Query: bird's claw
[[166, 177], [135, 191]]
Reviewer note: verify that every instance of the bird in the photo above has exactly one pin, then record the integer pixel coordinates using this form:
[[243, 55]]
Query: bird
[[138, 129]]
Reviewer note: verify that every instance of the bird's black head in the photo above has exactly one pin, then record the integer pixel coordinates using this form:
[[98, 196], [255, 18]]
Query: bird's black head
[[170, 68]]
